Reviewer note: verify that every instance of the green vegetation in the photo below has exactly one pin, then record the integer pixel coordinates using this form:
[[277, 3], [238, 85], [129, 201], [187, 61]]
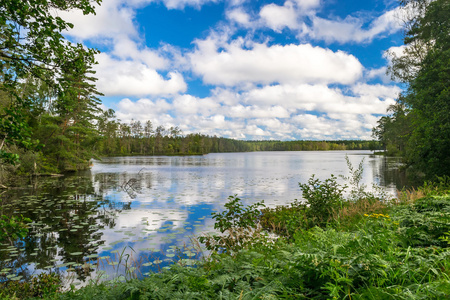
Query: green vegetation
[[41, 286], [331, 247], [44, 86], [418, 127], [136, 139], [13, 228], [365, 246]]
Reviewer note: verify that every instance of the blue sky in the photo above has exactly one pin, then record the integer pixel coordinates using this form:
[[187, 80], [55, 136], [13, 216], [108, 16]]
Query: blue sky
[[255, 70]]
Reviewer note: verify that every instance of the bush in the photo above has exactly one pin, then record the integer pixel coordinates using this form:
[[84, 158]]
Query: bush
[[13, 228], [40, 286], [238, 225], [285, 220], [322, 198]]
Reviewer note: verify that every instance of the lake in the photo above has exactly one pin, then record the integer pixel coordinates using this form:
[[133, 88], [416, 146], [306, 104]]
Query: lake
[[145, 210]]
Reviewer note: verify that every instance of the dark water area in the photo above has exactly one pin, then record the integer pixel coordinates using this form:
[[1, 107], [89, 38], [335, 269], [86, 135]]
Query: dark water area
[[142, 212]]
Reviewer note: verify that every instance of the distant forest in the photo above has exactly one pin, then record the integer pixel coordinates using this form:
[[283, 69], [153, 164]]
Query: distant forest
[[138, 139]]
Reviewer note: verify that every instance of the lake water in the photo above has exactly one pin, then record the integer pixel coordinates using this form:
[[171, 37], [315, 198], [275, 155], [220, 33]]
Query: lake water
[[145, 210]]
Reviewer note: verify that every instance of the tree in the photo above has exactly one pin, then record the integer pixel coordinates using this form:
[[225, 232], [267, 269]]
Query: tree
[[425, 67], [32, 46], [108, 128], [393, 131], [404, 67], [76, 112]]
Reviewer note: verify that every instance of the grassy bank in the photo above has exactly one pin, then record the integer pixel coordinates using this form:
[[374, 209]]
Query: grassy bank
[[361, 246]]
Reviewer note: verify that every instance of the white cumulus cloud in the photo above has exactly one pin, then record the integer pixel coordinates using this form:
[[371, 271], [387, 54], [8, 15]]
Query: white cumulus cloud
[[234, 64], [238, 15], [112, 19], [132, 78], [277, 17], [352, 29]]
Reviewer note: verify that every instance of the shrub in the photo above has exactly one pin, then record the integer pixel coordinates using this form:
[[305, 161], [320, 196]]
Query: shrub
[[322, 197], [40, 286], [238, 225], [285, 220], [13, 228]]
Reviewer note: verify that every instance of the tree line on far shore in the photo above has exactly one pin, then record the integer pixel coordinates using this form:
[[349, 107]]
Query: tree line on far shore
[[139, 138]]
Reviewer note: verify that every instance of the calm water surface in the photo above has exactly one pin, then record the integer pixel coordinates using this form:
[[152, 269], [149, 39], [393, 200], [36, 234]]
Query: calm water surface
[[145, 209]]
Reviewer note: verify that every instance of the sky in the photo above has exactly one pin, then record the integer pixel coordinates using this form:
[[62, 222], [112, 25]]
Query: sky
[[246, 69]]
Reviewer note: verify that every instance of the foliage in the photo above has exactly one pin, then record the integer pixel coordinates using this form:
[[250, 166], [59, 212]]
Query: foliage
[[285, 220], [357, 189], [73, 134], [13, 228], [238, 225], [35, 57], [424, 222], [398, 252], [439, 187], [369, 261], [419, 126], [325, 205], [13, 131], [322, 197], [136, 138], [236, 215], [41, 286]]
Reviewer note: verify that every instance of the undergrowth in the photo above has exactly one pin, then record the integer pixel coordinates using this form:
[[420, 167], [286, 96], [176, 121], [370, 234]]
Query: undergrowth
[[365, 246]]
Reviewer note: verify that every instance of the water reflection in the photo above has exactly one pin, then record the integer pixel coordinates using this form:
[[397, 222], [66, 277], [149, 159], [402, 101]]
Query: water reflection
[[67, 220], [151, 206]]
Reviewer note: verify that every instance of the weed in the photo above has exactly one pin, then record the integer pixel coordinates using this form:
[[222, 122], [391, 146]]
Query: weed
[[439, 187]]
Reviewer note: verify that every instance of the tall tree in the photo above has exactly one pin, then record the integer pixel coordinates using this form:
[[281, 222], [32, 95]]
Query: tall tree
[[76, 112], [31, 45], [425, 67]]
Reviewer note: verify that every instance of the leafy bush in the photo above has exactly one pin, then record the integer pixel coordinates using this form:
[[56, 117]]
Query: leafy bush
[[236, 215], [13, 228], [322, 198], [285, 220], [42, 285], [238, 225]]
